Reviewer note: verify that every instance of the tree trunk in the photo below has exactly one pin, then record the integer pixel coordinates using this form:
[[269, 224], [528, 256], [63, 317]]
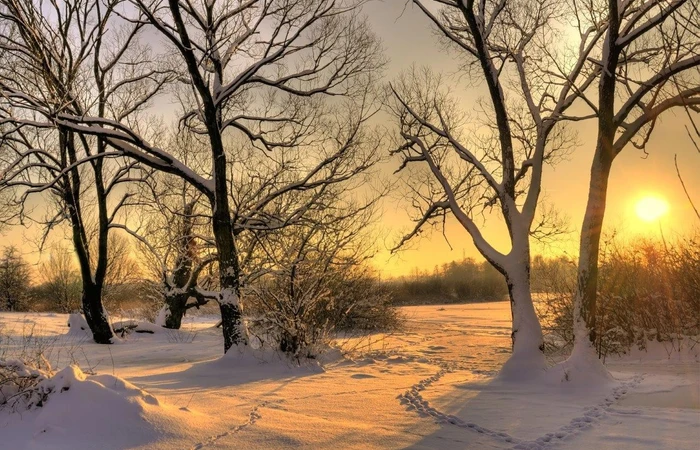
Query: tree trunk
[[527, 359], [229, 272], [526, 334], [585, 300], [93, 309], [177, 306], [587, 280], [232, 324], [95, 314], [583, 358]]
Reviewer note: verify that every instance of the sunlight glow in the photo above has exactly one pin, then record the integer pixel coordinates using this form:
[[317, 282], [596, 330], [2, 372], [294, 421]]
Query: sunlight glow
[[650, 208]]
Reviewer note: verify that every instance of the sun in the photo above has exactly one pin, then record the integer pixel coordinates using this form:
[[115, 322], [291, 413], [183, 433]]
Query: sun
[[651, 208]]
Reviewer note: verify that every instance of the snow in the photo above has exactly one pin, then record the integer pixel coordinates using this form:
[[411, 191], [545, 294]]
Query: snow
[[583, 366], [162, 315], [229, 296], [78, 326], [431, 385], [83, 412]]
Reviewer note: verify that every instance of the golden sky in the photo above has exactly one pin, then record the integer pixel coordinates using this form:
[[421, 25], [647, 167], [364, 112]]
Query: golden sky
[[408, 39]]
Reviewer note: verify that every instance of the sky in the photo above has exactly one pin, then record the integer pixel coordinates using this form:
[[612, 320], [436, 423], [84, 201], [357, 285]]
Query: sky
[[409, 39]]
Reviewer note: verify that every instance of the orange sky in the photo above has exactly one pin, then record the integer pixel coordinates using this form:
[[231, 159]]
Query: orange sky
[[565, 185], [408, 40]]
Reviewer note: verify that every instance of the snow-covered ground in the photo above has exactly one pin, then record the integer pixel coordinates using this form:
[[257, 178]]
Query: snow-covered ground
[[428, 386]]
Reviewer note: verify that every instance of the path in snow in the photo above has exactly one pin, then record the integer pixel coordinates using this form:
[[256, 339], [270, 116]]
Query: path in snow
[[415, 402]]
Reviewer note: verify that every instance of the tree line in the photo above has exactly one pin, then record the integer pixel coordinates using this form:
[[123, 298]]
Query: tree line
[[54, 285], [462, 281]]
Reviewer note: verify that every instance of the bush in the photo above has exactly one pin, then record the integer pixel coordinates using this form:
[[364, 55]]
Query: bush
[[21, 385], [646, 290], [14, 280], [302, 308]]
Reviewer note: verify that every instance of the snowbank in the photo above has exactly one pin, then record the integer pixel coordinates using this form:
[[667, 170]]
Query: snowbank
[[684, 350], [582, 368], [79, 410]]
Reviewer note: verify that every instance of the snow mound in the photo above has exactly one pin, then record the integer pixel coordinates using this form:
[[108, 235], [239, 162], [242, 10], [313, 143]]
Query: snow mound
[[582, 368], [79, 410], [522, 367], [78, 326], [162, 315]]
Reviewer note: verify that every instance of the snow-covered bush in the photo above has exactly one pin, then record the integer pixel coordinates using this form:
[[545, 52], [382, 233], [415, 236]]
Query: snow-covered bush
[[21, 385], [646, 291], [318, 285], [300, 310]]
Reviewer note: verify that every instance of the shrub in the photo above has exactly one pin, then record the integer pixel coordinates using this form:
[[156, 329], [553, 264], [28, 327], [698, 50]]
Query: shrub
[[302, 308], [21, 385], [646, 290]]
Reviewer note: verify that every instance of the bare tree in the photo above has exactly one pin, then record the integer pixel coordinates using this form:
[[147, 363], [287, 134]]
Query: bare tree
[[260, 69], [274, 191], [649, 63], [14, 280], [175, 245], [65, 59], [316, 280], [532, 79]]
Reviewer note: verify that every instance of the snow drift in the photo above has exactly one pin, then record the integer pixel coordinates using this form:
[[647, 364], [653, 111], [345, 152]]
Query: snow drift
[[74, 410]]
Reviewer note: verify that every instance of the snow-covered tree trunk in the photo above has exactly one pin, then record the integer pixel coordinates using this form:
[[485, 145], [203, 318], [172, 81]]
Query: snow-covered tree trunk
[[181, 285], [174, 309], [229, 266], [528, 344], [526, 330], [229, 278]]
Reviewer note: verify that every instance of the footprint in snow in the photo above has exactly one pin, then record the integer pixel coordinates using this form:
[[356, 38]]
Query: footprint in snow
[[253, 417], [361, 376]]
